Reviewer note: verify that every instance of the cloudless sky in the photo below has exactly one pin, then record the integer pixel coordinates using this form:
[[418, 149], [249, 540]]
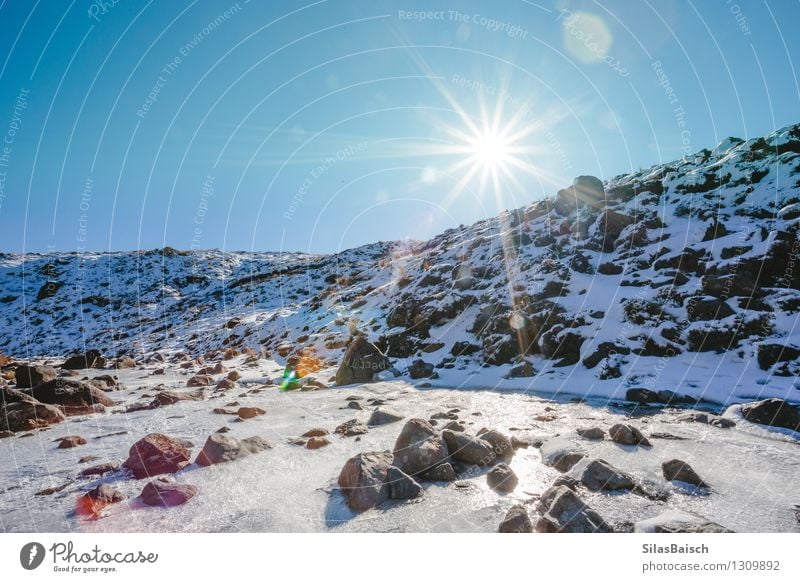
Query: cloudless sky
[[322, 125]]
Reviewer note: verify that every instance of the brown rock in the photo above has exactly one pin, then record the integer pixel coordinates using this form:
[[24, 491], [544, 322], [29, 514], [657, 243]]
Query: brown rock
[[163, 493], [71, 441], [156, 454], [317, 443], [246, 412]]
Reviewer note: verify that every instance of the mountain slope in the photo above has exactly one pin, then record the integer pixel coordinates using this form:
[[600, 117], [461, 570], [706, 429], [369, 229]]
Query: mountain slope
[[679, 277]]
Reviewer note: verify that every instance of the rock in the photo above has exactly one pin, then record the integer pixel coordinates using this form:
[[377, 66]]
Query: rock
[[564, 512], [156, 454], [502, 478], [468, 449], [771, 354], [89, 359], [69, 442], [354, 405], [673, 521], [224, 385], [363, 480], [200, 380], [93, 502], [625, 434], [593, 434], [164, 493], [30, 376], [455, 425], [220, 448], [706, 418], [707, 309], [167, 397], [381, 416], [501, 444], [246, 412], [677, 470], [125, 362], [773, 412], [100, 469], [28, 415], [598, 475], [361, 362], [443, 472], [71, 396], [420, 369], [402, 486], [516, 521], [562, 344], [352, 427], [233, 376], [419, 447], [317, 443], [316, 432], [560, 454], [642, 395], [522, 370]]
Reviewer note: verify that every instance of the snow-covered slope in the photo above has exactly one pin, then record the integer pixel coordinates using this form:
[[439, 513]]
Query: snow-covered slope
[[682, 276]]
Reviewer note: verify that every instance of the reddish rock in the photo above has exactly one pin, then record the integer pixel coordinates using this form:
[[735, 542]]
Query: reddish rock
[[156, 454], [72, 396], [163, 493], [316, 432], [93, 502], [246, 412], [199, 380], [69, 442], [317, 443]]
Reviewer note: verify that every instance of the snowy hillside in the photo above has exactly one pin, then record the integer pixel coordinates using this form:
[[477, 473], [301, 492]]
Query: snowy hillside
[[678, 277]]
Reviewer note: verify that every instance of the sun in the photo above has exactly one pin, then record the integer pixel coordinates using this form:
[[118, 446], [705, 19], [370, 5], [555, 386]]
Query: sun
[[490, 151]]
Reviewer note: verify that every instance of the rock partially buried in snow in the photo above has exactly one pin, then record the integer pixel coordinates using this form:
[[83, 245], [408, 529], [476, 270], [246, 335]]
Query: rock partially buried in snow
[[72, 396], [443, 472], [419, 447], [220, 448], [673, 521], [246, 412], [516, 520], [502, 478], [706, 418], [592, 434], [564, 512], [93, 502], [773, 412], [598, 475], [30, 376], [677, 470], [381, 416], [164, 493], [156, 454], [28, 415], [467, 448], [352, 427], [317, 443], [502, 448], [626, 434], [560, 454], [363, 480], [71, 441], [402, 486]]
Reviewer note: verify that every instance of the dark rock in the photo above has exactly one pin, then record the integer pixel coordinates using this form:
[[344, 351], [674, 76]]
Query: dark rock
[[100, 469], [594, 433], [89, 359], [771, 354], [156, 454], [773, 412], [642, 395], [72, 441], [93, 502], [516, 520], [560, 454], [402, 486], [706, 418], [163, 493], [363, 480], [30, 376], [562, 344], [502, 478], [361, 362], [443, 472], [625, 434], [28, 415], [72, 396], [419, 447], [381, 416], [501, 444], [604, 350], [468, 449], [564, 512], [352, 427], [220, 448], [420, 369], [707, 309], [677, 470], [598, 475]]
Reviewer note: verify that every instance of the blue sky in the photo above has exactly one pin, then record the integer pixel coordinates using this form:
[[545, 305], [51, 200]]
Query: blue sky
[[318, 126]]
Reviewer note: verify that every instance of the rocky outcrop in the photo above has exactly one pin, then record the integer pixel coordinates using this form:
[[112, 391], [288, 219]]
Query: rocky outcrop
[[773, 412]]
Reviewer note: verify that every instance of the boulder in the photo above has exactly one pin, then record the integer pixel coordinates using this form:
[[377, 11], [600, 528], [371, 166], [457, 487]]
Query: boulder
[[72, 441], [771, 354], [363, 480], [246, 412], [419, 447], [502, 447], [443, 472], [27, 415], [72, 396], [626, 434], [677, 470], [516, 520], [30, 376], [643, 396], [381, 416], [93, 502], [167, 397], [156, 454], [353, 427], [165, 493], [316, 432], [560, 453], [220, 448], [125, 362], [89, 359], [502, 478], [199, 380], [773, 412], [402, 486], [100, 469], [598, 475], [674, 521], [420, 369], [467, 448], [592, 434], [707, 309], [317, 443], [564, 512], [361, 362], [706, 418]]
